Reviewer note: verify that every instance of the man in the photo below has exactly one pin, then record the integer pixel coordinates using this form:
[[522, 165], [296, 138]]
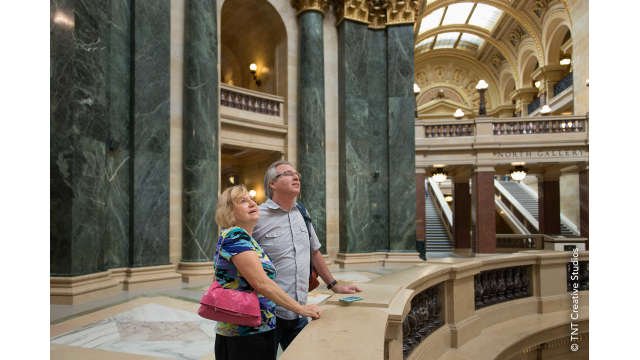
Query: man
[[283, 234]]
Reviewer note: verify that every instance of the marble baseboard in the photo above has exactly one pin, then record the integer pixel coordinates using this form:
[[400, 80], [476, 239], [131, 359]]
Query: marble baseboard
[[194, 272], [150, 277], [80, 289]]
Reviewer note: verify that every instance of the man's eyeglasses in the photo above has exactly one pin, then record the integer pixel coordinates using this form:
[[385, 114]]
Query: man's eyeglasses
[[288, 173]]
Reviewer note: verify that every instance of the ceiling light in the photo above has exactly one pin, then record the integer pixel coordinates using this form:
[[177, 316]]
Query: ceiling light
[[518, 173], [482, 85], [439, 175], [545, 109], [448, 198], [458, 114]]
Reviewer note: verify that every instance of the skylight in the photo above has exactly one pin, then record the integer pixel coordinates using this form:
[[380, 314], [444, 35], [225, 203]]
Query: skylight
[[446, 40], [457, 13], [470, 42], [485, 16], [425, 43], [432, 20]]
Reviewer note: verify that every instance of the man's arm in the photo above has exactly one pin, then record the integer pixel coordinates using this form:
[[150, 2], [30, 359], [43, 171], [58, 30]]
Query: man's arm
[[323, 271]]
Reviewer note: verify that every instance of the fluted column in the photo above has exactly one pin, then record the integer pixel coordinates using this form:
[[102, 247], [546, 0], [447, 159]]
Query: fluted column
[[200, 132], [311, 113]]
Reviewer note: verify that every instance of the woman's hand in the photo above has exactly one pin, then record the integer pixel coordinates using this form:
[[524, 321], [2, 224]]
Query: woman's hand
[[310, 310]]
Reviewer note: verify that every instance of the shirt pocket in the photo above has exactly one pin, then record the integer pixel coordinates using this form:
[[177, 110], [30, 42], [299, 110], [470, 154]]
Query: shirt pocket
[[270, 243]]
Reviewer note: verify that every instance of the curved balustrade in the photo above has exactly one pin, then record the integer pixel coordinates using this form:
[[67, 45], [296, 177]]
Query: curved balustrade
[[538, 126], [449, 130], [248, 100], [449, 308], [563, 84]]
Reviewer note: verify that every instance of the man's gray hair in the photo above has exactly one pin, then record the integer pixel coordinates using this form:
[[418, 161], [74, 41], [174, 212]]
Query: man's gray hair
[[271, 174]]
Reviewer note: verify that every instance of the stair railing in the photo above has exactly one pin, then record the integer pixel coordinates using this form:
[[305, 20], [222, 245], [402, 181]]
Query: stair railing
[[442, 208], [525, 217], [514, 223], [563, 219]]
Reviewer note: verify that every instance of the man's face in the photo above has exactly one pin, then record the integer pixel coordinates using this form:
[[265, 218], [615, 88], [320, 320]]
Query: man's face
[[287, 181]]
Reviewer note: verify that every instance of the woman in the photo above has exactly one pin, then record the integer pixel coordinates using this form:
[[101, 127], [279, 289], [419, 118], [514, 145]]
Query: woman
[[243, 265]]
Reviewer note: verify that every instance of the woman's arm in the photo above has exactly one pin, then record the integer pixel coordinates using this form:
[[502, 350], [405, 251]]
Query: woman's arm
[[248, 264]]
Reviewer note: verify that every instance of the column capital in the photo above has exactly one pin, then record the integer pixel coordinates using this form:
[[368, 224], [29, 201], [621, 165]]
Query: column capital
[[552, 174], [307, 5], [356, 10], [461, 175], [484, 168], [549, 73], [378, 14], [524, 94], [401, 12]]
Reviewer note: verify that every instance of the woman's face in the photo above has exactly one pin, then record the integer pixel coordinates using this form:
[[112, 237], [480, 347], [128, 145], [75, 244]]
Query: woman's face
[[246, 211]]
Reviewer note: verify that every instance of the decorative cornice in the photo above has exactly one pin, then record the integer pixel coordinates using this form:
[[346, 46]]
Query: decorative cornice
[[356, 10], [307, 5], [378, 14], [402, 12]]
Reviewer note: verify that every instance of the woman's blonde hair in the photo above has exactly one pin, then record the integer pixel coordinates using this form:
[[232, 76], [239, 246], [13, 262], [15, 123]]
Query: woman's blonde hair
[[226, 202]]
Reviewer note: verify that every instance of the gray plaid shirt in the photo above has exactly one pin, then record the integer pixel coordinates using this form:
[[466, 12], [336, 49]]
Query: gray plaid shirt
[[284, 236]]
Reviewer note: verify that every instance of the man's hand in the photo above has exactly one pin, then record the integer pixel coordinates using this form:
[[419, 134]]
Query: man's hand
[[345, 289]]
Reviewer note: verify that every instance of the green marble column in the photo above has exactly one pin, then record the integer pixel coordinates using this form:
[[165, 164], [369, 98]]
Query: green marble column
[[150, 133], [377, 133], [356, 176], [402, 186], [118, 162], [79, 128], [311, 121], [200, 132]]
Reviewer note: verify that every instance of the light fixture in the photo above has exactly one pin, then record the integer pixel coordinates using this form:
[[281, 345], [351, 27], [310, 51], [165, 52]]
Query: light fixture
[[416, 89], [482, 87], [565, 61], [518, 173], [448, 198], [252, 193], [439, 175], [546, 109], [253, 68], [537, 84], [458, 114], [232, 179]]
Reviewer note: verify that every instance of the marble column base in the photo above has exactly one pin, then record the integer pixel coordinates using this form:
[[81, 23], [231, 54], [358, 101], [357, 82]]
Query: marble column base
[[194, 272]]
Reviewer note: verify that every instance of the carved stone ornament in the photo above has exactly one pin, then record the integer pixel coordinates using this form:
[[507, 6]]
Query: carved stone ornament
[[356, 10], [516, 36], [539, 7], [402, 12], [378, 13], [305, 5]]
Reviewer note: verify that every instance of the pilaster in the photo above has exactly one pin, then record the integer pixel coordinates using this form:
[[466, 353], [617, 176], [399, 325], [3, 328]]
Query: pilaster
[[523, 97], [483, 210]]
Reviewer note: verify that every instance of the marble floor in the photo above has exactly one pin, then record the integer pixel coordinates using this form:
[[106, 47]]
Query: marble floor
[[153, 324]]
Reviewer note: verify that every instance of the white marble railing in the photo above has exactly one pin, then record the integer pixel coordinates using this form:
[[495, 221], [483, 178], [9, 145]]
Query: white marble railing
[[539, 125], [249, 100]]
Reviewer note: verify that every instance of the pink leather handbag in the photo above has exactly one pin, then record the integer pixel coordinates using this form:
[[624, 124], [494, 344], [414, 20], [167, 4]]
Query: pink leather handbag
[[232, 306]]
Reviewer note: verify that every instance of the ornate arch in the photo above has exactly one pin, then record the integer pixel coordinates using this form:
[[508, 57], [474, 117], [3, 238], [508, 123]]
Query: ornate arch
[[526, 62], [555, 20], [506, 79], [521, 17]]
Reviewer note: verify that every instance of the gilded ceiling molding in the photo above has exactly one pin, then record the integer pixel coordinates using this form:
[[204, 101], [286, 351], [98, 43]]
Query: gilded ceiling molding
[[307, 5], [523, 18], [483, 33], [356, 10], [402, 12]]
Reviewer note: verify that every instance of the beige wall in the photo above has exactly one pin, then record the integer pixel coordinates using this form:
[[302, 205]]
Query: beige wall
[[175, 132], [579, 10]]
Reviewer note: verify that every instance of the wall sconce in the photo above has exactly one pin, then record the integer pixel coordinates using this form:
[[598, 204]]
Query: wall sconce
[[565, 61], [232, 179], [253, 68], [458, 114]]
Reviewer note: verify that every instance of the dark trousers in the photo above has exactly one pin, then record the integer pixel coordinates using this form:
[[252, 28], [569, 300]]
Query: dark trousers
[[253, 347], [287, 330]]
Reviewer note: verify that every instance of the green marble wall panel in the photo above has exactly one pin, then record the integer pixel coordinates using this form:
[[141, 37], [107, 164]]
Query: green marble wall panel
[[78, 129], [311, 121], [401, 110], [118, 160], [150, 133], [200, 132], [356, 175], [377, 133]]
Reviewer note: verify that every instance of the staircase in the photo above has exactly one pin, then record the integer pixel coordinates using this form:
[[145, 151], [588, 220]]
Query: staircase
[[530, 203], [436, 236]]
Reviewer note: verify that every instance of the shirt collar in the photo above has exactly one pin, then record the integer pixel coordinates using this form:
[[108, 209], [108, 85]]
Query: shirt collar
[[273, 205]]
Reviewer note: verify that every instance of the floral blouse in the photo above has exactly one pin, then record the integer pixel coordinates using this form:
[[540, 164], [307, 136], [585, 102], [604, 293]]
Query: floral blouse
[[235, 241]]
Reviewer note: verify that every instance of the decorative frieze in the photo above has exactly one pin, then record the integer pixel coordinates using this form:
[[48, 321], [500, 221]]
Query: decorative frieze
[[500, 285], [307, 5], [424, 318]]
